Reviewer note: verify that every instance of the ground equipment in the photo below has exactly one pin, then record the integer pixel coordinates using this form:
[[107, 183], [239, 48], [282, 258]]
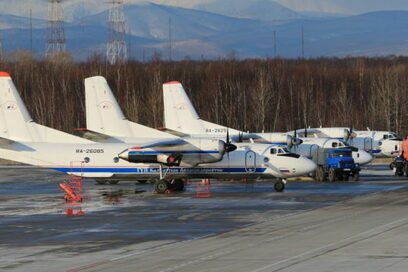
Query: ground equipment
[[335, 164]]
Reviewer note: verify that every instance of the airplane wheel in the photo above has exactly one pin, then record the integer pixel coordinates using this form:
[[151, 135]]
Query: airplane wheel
[[319, 175], [279, 186], [100, 181], [142, 181], [355, 176], [113, 182], [332, 175], [161, 186], [178, 184]]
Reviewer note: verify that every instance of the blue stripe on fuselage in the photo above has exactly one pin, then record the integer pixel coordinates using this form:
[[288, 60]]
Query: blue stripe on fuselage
[[157, 170]]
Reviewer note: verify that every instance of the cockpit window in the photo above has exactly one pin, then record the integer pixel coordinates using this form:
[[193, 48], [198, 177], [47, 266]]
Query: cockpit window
[[280, 151], [385, 136], [334, 144], [341, 144], [286, 149], [273, 151]]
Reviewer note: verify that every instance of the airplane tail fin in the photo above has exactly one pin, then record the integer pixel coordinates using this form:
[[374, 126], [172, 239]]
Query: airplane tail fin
[[16, 123], [104, 115], [179, 113], [14, 114]]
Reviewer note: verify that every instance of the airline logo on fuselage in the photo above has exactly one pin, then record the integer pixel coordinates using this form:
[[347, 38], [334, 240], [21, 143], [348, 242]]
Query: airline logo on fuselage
[[181, 106], [105, 105], [10, 106]]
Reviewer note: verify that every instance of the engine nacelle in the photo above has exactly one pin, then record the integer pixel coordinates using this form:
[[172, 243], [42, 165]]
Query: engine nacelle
[[291, 141], [192, 153]]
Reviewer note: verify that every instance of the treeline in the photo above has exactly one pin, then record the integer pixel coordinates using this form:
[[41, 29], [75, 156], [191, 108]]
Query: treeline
[[255, 95]]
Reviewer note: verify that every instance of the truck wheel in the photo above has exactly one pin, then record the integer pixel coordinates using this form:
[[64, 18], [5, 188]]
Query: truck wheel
[[332, 175], [346, 177], [161, 186], [279, 186], [392, 165], [355, 176], [319, 174]]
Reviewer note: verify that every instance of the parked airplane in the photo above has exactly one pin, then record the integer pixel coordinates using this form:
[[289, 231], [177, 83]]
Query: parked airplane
[[106, 123], [180, 115], [379, 143]]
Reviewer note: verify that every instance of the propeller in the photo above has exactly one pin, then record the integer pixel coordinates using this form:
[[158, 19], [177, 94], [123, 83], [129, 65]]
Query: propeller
[[240, 137], [350, 134], [228, 146]]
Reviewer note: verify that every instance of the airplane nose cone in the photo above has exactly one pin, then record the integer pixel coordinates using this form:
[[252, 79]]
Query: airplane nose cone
[[362, 157], [124, 155], [310, 165], [307, 166]]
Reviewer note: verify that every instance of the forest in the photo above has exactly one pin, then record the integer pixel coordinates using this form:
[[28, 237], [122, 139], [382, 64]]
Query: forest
[[271, 95]]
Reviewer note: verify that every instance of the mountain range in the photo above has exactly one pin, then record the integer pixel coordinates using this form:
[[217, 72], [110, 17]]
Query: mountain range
[[213, 29]]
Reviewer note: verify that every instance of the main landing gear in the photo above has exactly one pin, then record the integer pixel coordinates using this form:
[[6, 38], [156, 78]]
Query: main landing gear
[[167, 186], [280, 185]]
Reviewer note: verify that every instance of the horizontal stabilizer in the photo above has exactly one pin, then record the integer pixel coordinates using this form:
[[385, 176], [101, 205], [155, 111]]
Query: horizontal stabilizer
[[6, 142], [96, 136], [174, 132]]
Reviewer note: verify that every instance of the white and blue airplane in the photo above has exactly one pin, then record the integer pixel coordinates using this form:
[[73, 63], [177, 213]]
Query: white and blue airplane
[[22, 140], [381, 144], [180, 115]]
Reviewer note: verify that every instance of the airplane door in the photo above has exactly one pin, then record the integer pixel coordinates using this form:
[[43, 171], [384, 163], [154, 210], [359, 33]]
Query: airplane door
[[312, 149], [250, 162], [368, 144]]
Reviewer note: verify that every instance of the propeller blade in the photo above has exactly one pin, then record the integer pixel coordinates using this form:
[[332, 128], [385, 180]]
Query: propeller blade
[[228, 146]]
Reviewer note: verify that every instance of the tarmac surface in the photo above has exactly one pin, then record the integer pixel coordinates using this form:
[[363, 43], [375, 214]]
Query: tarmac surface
[[312, 226]]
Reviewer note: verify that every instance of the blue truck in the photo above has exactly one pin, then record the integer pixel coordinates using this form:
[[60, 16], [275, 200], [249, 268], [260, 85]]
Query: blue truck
[[335, 164]]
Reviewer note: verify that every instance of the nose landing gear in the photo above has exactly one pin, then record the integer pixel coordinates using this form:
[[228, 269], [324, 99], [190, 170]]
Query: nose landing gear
[[279, 186]]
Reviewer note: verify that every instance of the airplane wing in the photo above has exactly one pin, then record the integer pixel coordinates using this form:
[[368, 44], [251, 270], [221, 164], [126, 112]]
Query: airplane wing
[[161, 143], [317, 133]]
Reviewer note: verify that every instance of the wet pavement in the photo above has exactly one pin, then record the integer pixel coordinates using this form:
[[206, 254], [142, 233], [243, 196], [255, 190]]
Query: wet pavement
[[36, 234]]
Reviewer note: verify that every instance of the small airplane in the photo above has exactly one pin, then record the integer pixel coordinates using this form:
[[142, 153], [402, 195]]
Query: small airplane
[[180, 115], [381, 144]]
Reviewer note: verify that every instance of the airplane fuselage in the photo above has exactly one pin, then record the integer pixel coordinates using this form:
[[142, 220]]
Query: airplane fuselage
[[102, 161]]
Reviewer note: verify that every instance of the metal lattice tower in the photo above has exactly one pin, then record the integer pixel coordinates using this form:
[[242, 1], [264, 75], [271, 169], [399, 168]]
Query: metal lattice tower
[[56, 34], [116, 49]]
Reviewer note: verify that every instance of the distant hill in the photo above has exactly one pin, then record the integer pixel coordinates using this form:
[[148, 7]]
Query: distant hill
[[197, 34], [266, 10]]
